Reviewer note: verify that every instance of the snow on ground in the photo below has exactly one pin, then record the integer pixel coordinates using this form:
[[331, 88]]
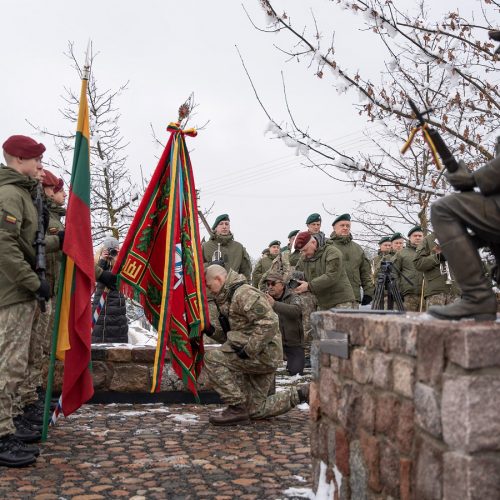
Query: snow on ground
[[325, 490]]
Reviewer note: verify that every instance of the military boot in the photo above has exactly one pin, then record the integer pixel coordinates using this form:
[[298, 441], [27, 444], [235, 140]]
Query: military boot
[[33, 413], [24, 431], [11, 454], [478, 300], [32, 449], [303, 392], [232, 415]]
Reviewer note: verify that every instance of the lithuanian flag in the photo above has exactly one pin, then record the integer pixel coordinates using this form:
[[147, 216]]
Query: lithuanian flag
[[73, 318]]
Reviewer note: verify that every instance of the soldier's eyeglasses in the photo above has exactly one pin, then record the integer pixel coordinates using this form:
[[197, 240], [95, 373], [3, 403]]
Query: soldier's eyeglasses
[[272, 283]]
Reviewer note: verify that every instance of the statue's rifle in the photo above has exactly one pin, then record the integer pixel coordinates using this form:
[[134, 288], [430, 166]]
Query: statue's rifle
[[433, 138]]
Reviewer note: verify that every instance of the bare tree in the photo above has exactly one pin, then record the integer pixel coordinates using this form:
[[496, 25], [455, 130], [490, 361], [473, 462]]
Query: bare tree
[[113, 194], [444, 64]]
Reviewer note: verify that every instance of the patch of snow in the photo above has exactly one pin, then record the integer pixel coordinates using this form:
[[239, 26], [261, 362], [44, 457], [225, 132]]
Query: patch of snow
[[300, 493], [188, 418], [299, 478], [303, 406], [137, 335]]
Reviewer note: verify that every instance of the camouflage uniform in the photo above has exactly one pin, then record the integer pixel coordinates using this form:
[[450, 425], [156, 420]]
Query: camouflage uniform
[[18, 284], [255, 327], [262, 266]]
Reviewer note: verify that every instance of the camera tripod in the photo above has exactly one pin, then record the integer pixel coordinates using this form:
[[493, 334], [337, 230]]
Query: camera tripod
[[386, 281]]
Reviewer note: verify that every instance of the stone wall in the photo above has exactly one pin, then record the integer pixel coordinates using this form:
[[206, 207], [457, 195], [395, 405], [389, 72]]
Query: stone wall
[[414, 413], [128, 368]]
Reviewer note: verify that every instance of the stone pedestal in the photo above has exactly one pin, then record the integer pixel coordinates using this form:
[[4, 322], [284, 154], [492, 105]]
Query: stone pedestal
[[414, 413]]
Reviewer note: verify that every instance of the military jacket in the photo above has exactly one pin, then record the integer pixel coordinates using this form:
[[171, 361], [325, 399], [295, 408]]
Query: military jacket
[[53, 259], [327, 277], [293, 257], [263, 265], [18, 226], [429, 263], [289, 310], [233, 253], [404, 263], [254, 324], [356, 264]]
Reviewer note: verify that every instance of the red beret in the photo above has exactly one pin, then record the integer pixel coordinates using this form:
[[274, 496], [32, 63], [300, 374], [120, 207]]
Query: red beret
[[22, 146], [50, 180], [302, 239]]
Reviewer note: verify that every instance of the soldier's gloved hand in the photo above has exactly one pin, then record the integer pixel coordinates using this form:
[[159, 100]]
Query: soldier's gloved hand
[[366, 300], [208, 330], [462, 179], [108, 279], [240, 351], [60, 235], [43, 290]]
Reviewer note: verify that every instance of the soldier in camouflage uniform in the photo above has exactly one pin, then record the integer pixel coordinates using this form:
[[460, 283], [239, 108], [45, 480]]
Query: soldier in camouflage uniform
[[293, 257], [31, 393], [356, 264], [404, 263], [18, 289], [234, 255], [243, 368], [324, 272], [264, 263], [439, 289]]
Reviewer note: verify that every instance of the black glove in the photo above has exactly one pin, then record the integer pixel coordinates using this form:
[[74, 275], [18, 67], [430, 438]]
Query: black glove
[[240, 351], [208, 330], [60, 235], [108, 279], [43, 291], [366, 300], [462, 179]]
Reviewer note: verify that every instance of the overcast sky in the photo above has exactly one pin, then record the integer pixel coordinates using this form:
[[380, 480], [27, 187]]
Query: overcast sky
[[169, 49]]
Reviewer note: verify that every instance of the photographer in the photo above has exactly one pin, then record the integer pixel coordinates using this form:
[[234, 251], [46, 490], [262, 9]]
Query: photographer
[[112, 324]]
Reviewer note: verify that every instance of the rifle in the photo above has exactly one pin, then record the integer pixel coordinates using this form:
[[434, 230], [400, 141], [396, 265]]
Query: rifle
[[40, 261], [433, 138]]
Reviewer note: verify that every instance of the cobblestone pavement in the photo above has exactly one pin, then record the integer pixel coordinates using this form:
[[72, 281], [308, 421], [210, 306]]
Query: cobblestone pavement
[[164, 452]]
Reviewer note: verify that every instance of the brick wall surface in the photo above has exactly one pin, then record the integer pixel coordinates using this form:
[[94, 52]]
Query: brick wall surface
[[414, 413]]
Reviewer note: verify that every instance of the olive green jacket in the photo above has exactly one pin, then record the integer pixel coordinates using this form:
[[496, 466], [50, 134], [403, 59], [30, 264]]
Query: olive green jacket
[[293, 257], [54, 258], [254, 324], [18, 226], [404, 263], [327, 277], [429, 263], [356, 264], [233, 253], [262, 265]]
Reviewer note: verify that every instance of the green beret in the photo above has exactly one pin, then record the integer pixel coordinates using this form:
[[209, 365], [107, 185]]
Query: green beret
[[219, 219], [341, 217], [385, 239], [396, 236], [414, 230], [293, 233], [313, 218], [274, 242]]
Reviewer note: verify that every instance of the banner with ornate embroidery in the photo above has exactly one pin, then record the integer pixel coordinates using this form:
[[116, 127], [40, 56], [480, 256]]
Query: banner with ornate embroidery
[[160, 264]]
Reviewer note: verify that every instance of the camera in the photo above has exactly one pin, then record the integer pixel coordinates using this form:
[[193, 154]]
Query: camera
[[293, 284], [112, 252]]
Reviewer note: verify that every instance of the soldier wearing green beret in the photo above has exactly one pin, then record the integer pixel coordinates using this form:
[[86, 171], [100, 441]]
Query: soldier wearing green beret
[[356, 264], [264, 263], [313, 223], [384, 253], [397, 242], [293, 257], [234, 255], [404, 263]]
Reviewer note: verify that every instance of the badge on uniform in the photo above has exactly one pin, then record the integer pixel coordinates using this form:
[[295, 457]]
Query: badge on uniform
[[53, 230], [8, 221]]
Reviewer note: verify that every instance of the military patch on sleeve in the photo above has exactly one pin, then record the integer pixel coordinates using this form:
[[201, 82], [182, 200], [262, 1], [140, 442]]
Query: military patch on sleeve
[[8, 221], [53, 230]]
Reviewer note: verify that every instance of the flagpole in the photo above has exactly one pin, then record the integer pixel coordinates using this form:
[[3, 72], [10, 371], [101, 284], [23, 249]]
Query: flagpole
[[57, 315]]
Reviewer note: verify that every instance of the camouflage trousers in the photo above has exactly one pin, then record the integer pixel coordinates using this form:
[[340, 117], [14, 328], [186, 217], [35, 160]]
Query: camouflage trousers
[[247, 381], [39, 341], [412, 303], [15, 331], [440, 299]]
